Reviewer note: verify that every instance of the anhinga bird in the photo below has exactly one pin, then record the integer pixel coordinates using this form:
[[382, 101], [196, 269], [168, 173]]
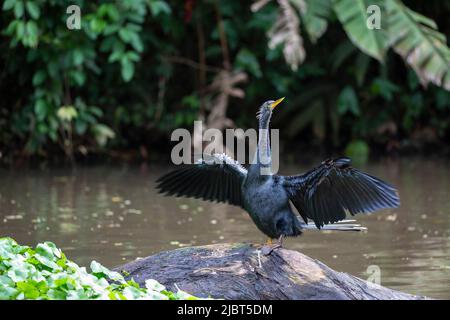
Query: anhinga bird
[[325, 194]]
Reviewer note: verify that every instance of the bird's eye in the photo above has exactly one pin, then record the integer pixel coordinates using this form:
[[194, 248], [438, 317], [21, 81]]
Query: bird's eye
[[269, 104]]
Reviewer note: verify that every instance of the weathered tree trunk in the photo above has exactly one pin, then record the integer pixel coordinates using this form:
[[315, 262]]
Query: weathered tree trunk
[[237, 271]]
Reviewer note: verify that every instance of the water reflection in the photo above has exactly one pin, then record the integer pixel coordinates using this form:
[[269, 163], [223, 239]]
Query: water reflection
[[113, 215]]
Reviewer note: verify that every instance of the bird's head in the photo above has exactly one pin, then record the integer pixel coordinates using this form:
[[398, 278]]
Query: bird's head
[[267, 107]]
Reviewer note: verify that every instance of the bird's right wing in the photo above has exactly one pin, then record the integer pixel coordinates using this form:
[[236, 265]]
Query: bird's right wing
[[329, 192], [218, 178]]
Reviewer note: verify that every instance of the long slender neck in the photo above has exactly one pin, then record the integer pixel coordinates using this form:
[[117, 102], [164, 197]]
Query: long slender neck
[[263, 158]]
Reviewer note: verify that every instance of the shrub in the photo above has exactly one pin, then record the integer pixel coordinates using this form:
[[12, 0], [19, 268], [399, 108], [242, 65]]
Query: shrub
[[45, 273]]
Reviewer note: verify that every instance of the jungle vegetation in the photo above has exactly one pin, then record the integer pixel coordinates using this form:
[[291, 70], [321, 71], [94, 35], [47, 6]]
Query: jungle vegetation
[[45, 273], [137, 69]]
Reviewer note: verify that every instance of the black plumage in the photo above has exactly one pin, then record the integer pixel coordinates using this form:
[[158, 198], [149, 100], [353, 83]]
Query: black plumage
[[326, 194]]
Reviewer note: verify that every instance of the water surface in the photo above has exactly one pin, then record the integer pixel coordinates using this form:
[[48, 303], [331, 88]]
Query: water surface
[[113, 215]]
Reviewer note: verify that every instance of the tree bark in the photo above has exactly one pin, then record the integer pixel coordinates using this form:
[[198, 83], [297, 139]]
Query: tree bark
[[238, 271]]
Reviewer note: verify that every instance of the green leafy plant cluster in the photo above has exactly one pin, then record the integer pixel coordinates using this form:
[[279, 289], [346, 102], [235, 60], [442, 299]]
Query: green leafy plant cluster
[[45, 273], [61, 62]]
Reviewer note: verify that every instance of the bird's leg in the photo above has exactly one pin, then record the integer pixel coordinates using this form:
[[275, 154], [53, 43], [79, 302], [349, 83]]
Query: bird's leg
[[270, 246], [280, 241]]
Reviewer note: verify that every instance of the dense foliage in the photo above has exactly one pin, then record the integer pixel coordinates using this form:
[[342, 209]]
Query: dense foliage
[[139, 68], [45, 273]]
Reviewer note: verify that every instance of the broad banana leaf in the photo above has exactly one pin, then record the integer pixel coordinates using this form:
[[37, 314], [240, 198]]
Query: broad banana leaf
[[416, 38], [315, 17], [354, 16]]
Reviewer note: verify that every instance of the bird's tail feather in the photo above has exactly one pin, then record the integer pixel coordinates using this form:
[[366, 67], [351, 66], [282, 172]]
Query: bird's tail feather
[[344, 225]]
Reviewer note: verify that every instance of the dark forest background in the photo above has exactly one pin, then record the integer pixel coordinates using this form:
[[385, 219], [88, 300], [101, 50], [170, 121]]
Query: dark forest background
[[138, 69]]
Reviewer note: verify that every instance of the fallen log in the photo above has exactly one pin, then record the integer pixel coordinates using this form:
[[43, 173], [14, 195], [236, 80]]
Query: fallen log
[[238, 271]]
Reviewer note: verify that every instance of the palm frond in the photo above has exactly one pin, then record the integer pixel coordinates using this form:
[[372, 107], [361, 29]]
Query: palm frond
[[410, 34]]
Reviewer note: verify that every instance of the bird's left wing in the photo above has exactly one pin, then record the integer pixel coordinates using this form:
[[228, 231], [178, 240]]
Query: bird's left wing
[[329, 192], [216, 178]]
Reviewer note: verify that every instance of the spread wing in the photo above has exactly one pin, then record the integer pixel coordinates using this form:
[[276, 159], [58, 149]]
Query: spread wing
[[218, 178], [328, 192]]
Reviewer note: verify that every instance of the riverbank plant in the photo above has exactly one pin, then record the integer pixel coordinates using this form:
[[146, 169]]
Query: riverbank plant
[[44, 272], [127, 78]]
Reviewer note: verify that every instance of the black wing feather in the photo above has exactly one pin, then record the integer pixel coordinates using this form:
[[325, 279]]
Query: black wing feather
[[216, 179], [329, 192]]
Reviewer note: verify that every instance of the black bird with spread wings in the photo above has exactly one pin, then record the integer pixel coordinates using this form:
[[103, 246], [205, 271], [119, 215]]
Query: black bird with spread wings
[[323, 196]]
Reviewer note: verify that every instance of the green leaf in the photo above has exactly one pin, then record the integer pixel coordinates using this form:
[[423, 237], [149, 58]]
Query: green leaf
[[20, 270], [78, 57], [111, 29], [33, 9], [96, 111], [353, 16], [39, 77], [348, 101], [8, 4], [100, 270], [6, 281], [133, 56], [127, 69], [115, 56], [78, 76], [28, 288], [41, 109], [102, 134], [182, 295], [247, 61], [20, 29], [31, 28], [18, 9], [315, 17], [57, 294], [46, 261], [67, 113], [136, 42], [80, 127], [358, 150], [31, 38], [49, 248], [154, 285], [8, 293], [159, 6], [11, 29], [97, 25], [125, 34], [191, 101], [384, 88], [132, 293]]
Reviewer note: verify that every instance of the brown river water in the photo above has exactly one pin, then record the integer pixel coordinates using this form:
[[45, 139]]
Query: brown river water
[[113, 214]]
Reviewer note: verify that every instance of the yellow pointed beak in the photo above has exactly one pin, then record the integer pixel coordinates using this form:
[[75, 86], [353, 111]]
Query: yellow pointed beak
[[277, 102]]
